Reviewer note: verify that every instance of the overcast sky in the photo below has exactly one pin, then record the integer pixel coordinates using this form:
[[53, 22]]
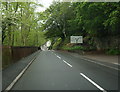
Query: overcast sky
[[45, 3]]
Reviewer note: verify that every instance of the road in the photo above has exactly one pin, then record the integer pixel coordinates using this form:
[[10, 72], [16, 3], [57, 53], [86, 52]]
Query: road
[[56, 70]]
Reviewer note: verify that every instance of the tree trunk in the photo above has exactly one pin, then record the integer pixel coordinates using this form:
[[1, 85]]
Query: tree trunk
[[13, 38], [98, 44]]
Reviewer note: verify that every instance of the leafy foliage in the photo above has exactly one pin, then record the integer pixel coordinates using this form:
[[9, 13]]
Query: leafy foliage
[[20, 25], [98, 23]]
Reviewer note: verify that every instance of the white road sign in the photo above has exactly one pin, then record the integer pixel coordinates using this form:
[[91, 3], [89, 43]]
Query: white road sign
[[76, 39]]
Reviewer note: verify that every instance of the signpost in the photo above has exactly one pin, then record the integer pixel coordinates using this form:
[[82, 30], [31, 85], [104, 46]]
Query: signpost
[[76, 39]]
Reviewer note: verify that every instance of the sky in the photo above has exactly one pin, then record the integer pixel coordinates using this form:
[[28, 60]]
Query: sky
[[45, 3]]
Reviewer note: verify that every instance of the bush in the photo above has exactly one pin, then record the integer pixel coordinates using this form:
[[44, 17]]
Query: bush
[[113, 52], [79, 48], [73, 48]]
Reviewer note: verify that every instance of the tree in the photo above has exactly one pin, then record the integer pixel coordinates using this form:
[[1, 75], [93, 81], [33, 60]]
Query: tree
[[94, 21], [19, 21]]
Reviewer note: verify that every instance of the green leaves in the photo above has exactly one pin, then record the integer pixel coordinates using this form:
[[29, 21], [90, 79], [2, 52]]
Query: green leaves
[[94, 21], [20, 24], [91, 20]]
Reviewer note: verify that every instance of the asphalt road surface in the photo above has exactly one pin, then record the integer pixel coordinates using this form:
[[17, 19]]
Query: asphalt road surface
[[55, 70]]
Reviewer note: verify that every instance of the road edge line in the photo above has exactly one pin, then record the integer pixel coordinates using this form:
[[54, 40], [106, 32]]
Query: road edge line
[[100, 64], [19, 76]]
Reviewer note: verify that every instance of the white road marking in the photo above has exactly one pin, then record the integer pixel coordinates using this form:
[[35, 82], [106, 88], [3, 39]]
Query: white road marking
[[19, 76], [101, 64], [67, 63], [59, 57], [64, 61], [116, 63], [93, 82]]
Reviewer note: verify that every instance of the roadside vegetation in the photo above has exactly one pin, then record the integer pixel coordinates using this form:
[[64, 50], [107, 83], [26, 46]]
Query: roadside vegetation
[[98, 23], [21, 31], [20, 24]]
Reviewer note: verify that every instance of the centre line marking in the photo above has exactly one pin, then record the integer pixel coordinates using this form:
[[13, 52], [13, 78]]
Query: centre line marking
[[55, 55], [67, 63], [59, 57], [93, 82]]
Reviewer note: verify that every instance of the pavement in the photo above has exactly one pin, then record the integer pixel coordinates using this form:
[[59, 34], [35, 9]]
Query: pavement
[[104, 58], [112, 61], [57, 70]]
